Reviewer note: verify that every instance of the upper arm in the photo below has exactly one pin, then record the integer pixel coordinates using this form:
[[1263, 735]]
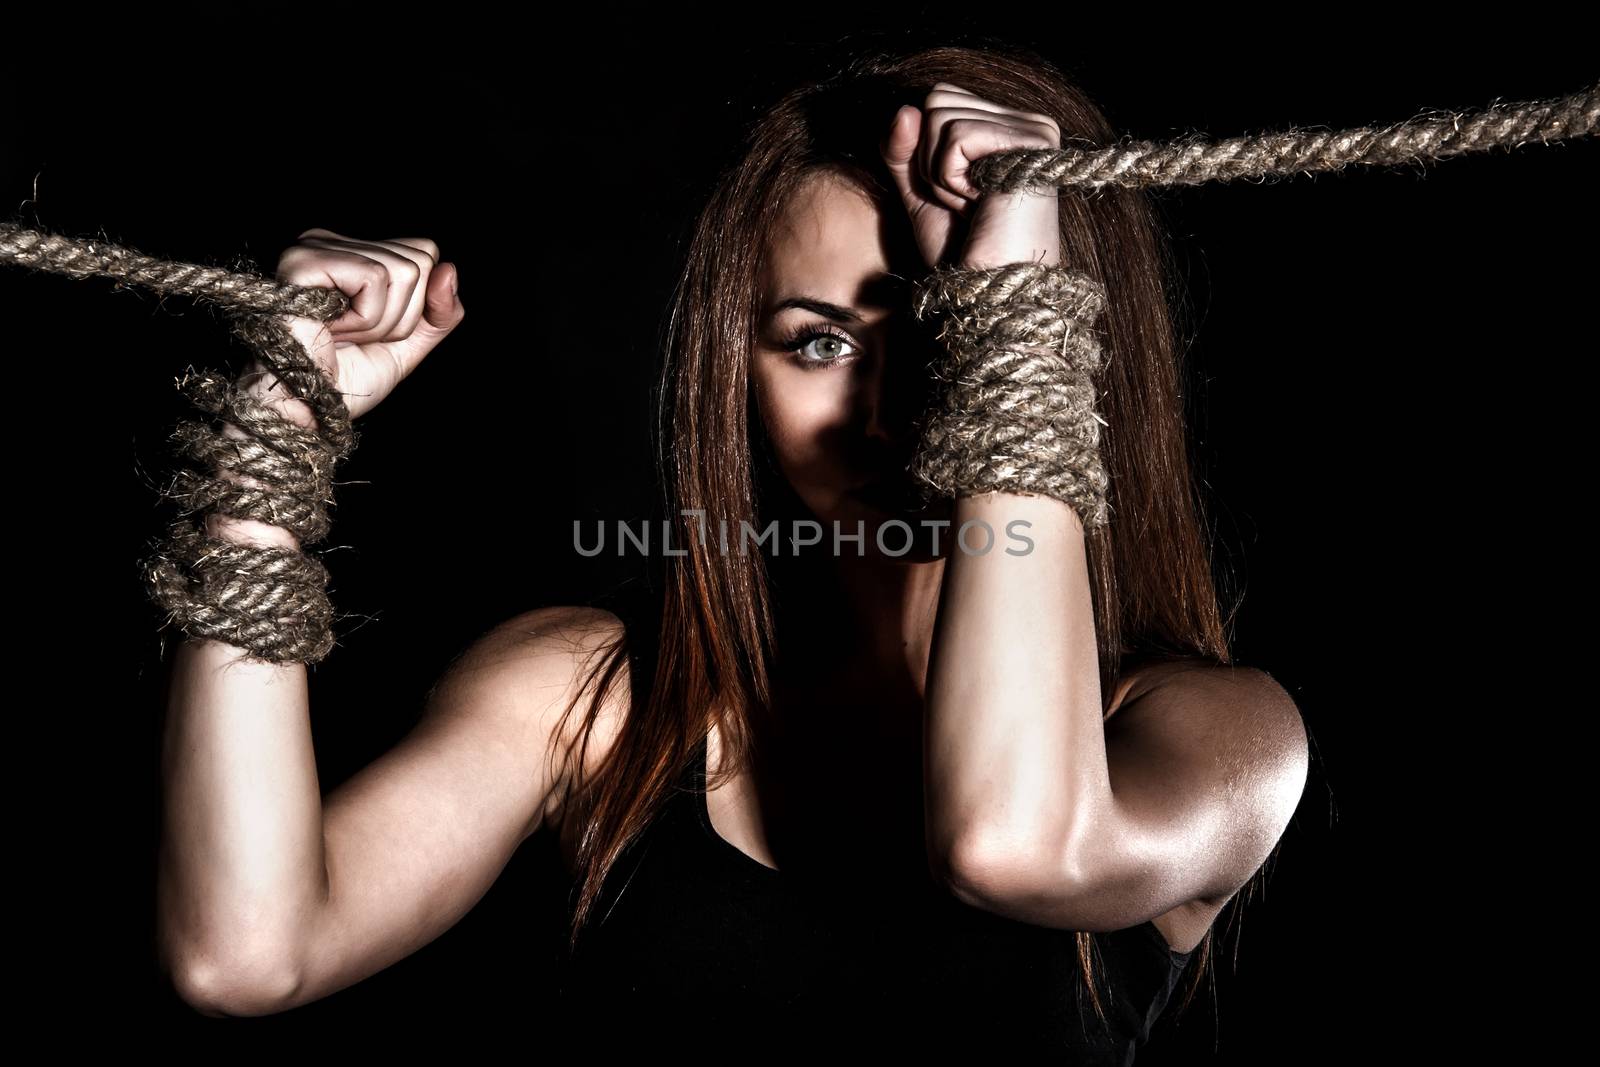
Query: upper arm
[[1207, 765], [417, 837]]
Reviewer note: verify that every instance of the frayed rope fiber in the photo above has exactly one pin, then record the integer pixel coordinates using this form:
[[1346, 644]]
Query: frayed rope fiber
[[1016, 408], [1194, 159], [1016, 414], [270, 601]]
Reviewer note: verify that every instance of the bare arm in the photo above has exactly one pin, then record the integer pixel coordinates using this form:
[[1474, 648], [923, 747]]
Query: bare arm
[[1202, 769], [270, 896]]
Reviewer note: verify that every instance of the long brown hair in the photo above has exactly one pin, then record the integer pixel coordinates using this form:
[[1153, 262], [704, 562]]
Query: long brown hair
[[709, 654]]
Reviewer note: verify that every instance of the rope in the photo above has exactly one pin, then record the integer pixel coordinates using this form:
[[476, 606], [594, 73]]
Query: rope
[[270, 601], [273, 602], [1017, 409], [234, 290], [1188, 160], [1193, 160]]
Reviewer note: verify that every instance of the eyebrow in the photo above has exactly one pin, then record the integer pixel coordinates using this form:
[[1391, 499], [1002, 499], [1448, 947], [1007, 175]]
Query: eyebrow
[[836, 312]]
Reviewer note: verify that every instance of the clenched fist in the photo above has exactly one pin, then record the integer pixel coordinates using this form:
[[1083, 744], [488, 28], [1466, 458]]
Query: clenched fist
[[403, 302], [928, 151]]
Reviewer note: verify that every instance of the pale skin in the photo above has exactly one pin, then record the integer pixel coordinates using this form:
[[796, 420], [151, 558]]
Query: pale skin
[[272, 895], [1037, 807]]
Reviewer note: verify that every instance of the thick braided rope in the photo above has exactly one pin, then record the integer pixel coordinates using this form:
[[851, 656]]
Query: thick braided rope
[[1015, 410], [273, 602], [78, 257], [1194, 159], [1185, 161], [270, 601]]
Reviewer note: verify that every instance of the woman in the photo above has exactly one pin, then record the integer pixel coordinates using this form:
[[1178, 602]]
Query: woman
[[939, 795]]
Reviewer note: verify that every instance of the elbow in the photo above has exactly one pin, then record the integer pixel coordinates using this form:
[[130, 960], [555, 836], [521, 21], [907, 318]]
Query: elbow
[[222, 987], [1008, 874]]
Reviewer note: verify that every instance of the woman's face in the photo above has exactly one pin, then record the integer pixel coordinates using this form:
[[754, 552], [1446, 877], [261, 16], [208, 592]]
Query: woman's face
[[840, 369]]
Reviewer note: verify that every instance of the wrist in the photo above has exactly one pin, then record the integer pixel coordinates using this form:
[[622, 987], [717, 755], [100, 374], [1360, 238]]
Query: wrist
[[249, 532], [264, 386]]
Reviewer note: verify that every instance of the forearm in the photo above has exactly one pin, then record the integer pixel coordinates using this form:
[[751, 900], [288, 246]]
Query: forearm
[[241, 867], [1015, 754]]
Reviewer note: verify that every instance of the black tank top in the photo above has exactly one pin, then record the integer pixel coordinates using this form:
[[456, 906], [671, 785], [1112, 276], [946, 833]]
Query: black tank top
[[694, 942]]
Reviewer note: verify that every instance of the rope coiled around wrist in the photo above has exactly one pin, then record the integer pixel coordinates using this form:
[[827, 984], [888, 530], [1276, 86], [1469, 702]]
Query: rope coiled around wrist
[[216, 589], [270, 601], [1015, 410]]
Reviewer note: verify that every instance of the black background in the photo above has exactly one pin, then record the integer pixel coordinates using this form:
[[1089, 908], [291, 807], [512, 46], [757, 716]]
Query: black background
[[1390, 382]]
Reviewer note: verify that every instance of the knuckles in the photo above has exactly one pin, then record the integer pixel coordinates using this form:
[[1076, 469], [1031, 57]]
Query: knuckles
[[423, 245], [302, 263]]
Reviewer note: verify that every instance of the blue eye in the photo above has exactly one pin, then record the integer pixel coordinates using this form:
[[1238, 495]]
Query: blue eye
[[828, 353]]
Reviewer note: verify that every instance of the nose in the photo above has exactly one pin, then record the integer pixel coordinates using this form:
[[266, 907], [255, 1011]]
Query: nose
[[885, 416], [898, 387]]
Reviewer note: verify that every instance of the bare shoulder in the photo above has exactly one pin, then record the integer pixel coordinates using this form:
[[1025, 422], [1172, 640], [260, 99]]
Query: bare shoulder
[[529, 669]]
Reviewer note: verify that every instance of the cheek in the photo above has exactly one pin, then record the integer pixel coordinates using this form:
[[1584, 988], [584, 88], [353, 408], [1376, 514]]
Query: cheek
[[803, 413]]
